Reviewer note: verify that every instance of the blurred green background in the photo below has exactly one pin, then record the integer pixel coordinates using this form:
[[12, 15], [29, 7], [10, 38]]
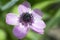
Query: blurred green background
[[51, 10]]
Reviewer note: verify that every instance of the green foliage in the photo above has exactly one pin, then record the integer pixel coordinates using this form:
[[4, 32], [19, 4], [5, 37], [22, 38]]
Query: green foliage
[[2, 35]]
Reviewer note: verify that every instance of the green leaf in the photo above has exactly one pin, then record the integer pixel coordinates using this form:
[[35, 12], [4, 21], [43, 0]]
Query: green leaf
[[3, 35], [43, 4], [9, 4], [33, 35], [15, 10], [53, 21]]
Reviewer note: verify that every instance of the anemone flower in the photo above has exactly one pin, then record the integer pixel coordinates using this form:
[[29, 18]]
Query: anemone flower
[[26, 20]]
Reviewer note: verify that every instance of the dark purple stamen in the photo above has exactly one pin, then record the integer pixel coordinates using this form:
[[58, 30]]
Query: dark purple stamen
[[26, 17]]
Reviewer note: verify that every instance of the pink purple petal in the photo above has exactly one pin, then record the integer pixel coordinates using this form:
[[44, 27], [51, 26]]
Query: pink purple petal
[[26, 4], [36, 15], [39, 12], [38, 26], [11, 19], [20, 31], [23, 8]]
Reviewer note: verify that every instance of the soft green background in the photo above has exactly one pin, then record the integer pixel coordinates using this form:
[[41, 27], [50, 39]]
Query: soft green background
[[51, 10]]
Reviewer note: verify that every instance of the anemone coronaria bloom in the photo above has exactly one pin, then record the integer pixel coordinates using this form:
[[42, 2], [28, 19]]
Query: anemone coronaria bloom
[[26, 20]]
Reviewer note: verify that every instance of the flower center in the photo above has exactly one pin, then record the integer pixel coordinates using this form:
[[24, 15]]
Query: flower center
[[26, 17]]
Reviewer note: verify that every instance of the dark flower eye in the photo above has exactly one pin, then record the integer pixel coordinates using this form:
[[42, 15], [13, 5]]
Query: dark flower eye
[[26, 17]]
